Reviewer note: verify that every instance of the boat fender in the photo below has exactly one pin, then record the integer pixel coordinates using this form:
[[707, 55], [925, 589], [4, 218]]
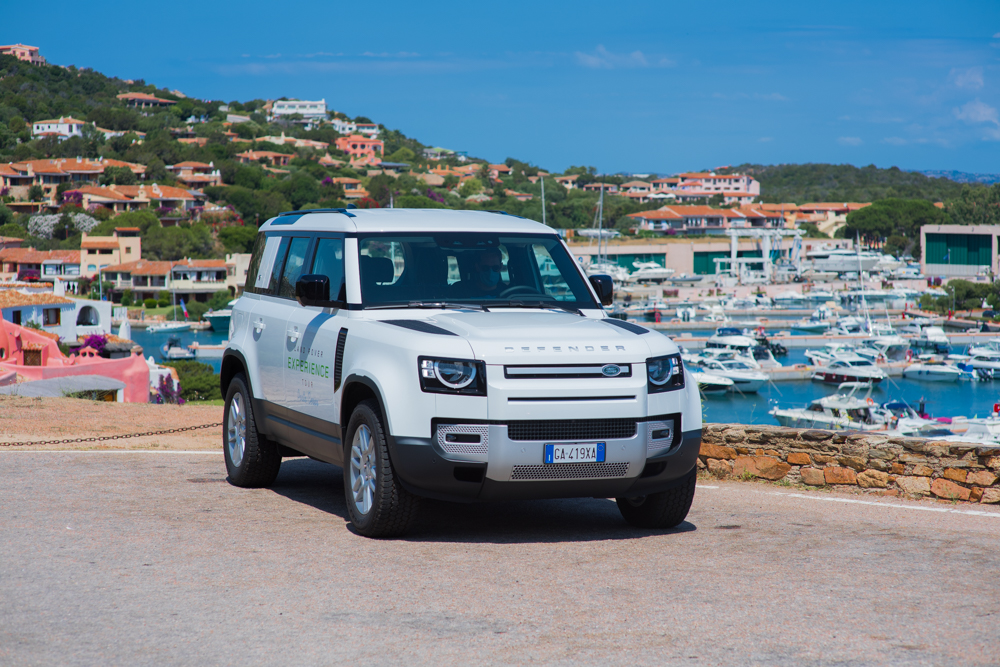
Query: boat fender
[[909, 355], [996, 407], [870, 401]]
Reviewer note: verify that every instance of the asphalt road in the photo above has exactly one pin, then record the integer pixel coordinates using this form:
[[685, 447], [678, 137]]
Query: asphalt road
[[153, 558]]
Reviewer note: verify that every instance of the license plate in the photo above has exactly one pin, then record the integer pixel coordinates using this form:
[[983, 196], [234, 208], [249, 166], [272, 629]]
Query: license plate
[[576, 452]]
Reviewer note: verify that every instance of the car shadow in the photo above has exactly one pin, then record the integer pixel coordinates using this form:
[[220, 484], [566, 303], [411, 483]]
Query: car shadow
[[320, 485]]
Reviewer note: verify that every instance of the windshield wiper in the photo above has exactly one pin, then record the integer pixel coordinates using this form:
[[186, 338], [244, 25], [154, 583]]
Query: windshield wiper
[[448, 305], [516, 303]]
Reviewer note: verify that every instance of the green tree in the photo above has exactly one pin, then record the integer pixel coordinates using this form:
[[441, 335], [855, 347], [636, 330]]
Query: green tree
[[220, 300], [118, 176], [237, 239], [893, 217], [471, 187], [6, 216], [35, 193], [198, 381]]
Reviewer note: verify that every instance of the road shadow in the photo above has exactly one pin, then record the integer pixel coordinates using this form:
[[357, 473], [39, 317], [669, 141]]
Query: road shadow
[[320, 485]]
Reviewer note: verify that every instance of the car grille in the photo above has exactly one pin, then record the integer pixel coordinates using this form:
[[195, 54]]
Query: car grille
[[576, 429], [568, 471]]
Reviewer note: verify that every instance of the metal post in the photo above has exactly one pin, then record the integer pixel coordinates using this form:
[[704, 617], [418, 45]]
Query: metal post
[[542, 179]]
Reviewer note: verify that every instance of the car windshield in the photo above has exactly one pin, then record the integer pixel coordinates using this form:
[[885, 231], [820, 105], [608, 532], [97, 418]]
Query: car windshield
[[476, 269]]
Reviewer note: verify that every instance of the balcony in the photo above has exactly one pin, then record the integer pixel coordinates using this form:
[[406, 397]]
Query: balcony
[[197, 285]]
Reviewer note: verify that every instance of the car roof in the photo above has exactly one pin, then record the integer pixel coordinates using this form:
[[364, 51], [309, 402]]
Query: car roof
[[404, 220]]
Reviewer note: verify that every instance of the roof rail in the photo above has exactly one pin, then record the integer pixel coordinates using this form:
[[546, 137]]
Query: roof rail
[[318, 210]]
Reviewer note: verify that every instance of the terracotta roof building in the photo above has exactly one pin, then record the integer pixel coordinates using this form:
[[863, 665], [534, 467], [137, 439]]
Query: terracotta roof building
[[144, 101], [28, 54]]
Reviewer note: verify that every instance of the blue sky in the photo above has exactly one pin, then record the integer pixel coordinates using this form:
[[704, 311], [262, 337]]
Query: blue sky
[[658, 87]]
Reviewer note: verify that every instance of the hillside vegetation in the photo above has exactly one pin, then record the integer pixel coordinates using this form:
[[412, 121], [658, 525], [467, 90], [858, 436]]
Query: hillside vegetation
[[802, 183]]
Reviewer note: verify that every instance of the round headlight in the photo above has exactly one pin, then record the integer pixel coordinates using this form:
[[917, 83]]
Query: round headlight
[[659, 370], [455, 374]]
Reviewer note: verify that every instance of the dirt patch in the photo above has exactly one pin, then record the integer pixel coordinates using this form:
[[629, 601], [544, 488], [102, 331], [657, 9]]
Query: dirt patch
[[24, 419]]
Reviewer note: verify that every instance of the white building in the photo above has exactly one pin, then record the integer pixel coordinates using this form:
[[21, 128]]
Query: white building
[[306, 108], [64, 128], [345, 127]]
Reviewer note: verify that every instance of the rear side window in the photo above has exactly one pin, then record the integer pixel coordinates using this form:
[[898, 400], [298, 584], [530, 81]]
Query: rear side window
[[295, 264], [329, 262], [255, 261], [274, 280]]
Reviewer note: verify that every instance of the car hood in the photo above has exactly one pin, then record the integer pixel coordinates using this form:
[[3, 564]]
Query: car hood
[[551, 337]]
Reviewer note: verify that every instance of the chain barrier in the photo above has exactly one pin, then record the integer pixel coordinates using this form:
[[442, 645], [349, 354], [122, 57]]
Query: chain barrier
[[108, 437]]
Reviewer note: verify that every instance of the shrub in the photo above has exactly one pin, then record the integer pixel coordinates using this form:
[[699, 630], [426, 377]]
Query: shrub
[[199, 381], [163, 303], [127, 297], [150, 303]]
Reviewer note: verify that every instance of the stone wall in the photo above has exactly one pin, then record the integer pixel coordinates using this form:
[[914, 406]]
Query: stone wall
[[873, 462]]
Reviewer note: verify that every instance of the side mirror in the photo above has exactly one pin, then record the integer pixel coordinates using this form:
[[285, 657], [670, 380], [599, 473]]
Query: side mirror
[[313, 289], [604, 287]]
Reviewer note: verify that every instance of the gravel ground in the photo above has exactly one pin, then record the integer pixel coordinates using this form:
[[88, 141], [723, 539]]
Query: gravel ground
[[32, 419], [134, 558]]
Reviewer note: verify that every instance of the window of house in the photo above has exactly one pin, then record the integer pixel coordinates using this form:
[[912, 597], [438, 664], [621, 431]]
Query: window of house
[[50, 317], [16, 317]]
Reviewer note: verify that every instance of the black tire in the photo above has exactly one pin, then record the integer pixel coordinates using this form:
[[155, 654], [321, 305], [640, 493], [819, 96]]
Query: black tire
[[258, 463], [665, 509], [392, 509]]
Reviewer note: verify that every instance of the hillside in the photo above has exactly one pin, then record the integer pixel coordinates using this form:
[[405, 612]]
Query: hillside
[[801, 183]]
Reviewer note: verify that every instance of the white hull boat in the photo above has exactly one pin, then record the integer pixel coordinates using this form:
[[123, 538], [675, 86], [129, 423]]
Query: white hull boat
[[711, 384], [169, 327], [932, 372]]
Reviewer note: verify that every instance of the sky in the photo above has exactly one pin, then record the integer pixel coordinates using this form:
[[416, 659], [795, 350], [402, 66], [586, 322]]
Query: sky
[[656, 87]]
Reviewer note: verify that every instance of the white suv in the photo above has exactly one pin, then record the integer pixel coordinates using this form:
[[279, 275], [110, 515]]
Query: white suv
[[454, 355]]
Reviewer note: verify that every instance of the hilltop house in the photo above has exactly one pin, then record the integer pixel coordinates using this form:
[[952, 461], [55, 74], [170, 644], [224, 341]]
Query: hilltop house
[[120, 198], [568, 182], [308, 109], [188, 279], [275, 159], [68, 265], [358, 146], [144, 101], [61, 128], [196, 174], [28, 54], [18, 177]]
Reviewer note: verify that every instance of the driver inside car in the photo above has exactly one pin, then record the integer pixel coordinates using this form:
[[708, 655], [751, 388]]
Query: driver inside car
[[485, 275]]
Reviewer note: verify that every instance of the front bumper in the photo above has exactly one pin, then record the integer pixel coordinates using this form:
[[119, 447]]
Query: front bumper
[[498, 467]]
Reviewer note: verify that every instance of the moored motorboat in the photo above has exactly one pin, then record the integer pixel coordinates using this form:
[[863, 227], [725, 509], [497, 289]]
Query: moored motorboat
[[849, 368], [746, 378], [711, 384], [169, 327], [932, 371]]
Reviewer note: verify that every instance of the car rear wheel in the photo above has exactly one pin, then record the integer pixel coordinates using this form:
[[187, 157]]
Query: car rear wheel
[[377, 503], [665, 509], [252, 460]]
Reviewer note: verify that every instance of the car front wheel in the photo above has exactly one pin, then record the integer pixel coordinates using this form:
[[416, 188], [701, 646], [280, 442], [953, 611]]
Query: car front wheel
[[665, 509], [377, 503]]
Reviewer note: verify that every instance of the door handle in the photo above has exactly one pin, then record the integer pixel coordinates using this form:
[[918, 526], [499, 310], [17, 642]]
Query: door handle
[[259, 325], [293, 334]]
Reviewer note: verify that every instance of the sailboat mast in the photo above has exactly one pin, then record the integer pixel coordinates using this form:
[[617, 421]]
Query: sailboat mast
[[542, 179]]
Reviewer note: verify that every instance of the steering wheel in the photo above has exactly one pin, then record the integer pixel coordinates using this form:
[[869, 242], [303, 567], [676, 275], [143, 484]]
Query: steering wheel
[[521, 289]]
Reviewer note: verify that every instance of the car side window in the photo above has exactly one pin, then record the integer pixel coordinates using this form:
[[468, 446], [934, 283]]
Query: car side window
[[278, 263], [294, 264], [329, 262]]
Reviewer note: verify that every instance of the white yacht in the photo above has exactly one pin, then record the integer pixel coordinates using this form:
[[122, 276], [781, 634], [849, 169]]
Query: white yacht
[[709, 383], [649, 272], [829, 352], [842, 260], [884, 348], [618, 274], [849, 368], [686, 280], [983, 358], [837, 412], [746, 378], [932, 338], [932, 371], [817, 322]]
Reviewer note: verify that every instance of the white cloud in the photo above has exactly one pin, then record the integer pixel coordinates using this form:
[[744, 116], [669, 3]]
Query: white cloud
[[996, 36], [601, 58], [978, 112], [895, 141], [850, 141], [971, 79]]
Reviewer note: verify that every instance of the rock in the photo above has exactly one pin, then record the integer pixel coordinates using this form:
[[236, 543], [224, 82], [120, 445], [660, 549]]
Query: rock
[[816, 435], [898, 468], [922, 471], [744, 465], [771, 452], [717, 451], [955, 475], [855, 462], [822, 458], [799, 459], [771, 468], [975, 494], [912, 458], [881, 466], [981, 478], [720, 468], [991, 496], [840, 476], [873, 479], [992, 462], [883, 454], [813, 476], [700, 464], [891, 492], [942, 488], [734, 436], [917, 486]]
